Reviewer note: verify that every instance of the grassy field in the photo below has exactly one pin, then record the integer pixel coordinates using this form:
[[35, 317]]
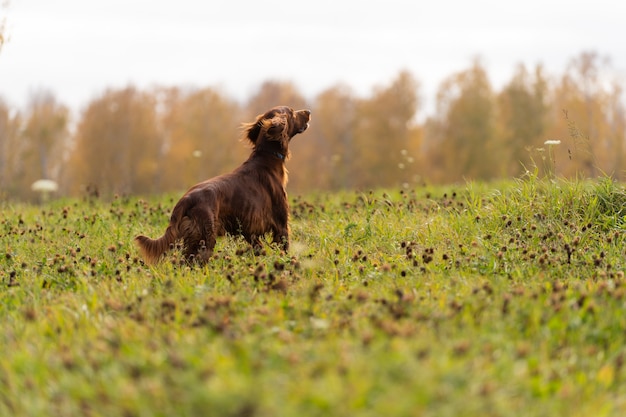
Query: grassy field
[[502, 299]]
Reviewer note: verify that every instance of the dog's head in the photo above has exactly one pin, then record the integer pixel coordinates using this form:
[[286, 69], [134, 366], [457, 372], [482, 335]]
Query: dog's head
[[279, 124]]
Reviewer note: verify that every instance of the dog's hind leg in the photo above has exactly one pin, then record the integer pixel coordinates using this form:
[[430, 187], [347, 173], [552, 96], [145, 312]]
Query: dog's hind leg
[[200, 238], [190, 235], [205, 251], [280, 236]]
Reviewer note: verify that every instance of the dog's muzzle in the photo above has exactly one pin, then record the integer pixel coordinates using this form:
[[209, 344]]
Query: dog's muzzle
[[308, 114]]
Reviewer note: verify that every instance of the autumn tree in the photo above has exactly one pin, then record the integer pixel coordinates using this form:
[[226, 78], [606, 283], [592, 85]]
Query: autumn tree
[[383, 131], [616, 131], [462, 135], [523, 117], [45, 133], [11, 160], [589, 114], [274, 93], [118, 148], [42, 142], [130, 141], [32, 147], [331, 139], [201, 136]]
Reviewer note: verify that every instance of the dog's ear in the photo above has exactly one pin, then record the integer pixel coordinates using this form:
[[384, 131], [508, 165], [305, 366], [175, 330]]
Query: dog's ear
[[252, 130], [276, 128]]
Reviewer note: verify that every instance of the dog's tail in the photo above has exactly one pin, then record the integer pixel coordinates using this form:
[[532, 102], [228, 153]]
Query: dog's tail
[[151, 250]]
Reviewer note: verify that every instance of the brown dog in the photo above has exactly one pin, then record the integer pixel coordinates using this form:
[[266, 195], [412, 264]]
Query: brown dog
[[251, 201]]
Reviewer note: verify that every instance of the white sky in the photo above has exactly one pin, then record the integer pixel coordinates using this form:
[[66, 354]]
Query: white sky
[[77, 48]]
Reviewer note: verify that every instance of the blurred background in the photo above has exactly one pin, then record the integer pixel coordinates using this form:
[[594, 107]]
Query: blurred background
[[142, 97]]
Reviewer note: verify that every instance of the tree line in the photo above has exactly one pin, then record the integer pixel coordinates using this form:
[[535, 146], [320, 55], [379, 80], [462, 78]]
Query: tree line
[[131, 141]]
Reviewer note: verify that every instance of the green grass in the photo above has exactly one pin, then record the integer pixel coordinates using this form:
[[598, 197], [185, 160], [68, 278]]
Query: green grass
[[499, 299]]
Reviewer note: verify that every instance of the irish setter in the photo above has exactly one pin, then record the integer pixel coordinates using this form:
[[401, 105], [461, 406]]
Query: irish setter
[[251, 201]]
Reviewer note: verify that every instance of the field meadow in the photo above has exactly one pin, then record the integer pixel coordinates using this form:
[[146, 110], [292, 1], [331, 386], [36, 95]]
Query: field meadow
[[481, 299]]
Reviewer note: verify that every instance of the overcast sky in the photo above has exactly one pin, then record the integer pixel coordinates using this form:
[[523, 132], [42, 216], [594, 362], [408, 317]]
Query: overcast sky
[[77, 48]]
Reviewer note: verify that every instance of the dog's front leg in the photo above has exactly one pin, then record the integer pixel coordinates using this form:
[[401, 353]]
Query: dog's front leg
[[281, 238]]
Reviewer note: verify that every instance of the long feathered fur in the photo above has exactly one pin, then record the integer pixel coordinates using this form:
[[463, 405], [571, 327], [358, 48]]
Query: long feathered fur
[[250, 201], [152, 249]]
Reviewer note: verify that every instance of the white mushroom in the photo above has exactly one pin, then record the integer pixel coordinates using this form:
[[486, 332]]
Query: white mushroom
[[44, 187]]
